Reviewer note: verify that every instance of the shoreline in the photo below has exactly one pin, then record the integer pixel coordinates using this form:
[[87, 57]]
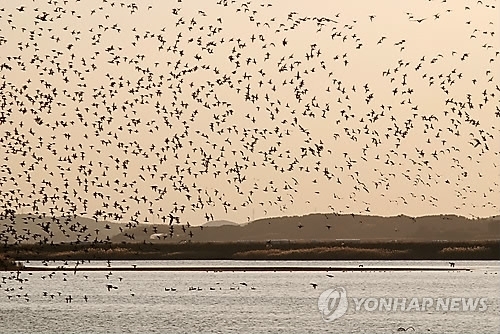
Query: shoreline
[[345, 250], [245, 269]]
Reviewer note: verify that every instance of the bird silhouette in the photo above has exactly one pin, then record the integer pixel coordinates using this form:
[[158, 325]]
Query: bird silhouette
[[194, 121]]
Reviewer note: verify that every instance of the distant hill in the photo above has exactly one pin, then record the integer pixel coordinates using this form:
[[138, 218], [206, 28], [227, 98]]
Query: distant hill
[[328, 227], [30, 229], [214, 223], [33, 229]]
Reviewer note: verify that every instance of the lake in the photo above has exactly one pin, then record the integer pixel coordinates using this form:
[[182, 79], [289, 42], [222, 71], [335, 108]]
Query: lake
[[119, 299]]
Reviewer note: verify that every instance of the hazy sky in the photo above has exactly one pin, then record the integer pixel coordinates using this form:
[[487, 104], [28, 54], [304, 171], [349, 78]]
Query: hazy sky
[[239, 110]]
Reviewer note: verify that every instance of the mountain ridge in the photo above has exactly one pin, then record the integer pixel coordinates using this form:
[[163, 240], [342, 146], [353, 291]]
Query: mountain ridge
[[31, 229]]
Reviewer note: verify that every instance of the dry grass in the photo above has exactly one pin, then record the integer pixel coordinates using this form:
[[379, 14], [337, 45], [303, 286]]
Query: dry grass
[[480, 250], [472, 249], [322, 253]]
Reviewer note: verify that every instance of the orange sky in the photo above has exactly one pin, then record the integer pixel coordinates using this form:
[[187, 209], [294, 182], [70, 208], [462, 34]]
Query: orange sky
[[383, 107]]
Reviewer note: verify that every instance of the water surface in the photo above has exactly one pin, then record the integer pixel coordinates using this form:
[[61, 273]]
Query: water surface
[[240, 302]]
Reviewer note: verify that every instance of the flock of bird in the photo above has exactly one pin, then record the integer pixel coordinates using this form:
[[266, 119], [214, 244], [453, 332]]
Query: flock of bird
[[16, 285], [130, 112]]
